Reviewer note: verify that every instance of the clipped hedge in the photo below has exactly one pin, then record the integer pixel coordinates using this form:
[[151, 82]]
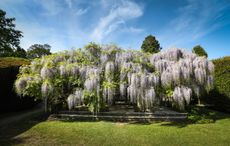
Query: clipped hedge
[[9, 67], [6, 62], [220, 95]]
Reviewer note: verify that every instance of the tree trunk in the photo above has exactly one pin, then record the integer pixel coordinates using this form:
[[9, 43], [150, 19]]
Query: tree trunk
[[45, 102], [198, 101]]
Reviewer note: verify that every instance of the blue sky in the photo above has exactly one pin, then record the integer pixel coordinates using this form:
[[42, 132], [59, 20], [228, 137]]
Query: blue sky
[[66, 24]]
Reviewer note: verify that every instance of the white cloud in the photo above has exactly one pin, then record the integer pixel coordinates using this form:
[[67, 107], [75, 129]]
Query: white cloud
[[113, 27], [118, 15]]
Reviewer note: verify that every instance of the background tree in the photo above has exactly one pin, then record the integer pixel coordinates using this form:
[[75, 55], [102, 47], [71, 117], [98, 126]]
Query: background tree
[[198, 50], [38, 50], [151, 45], [9, 37], [20, 53]]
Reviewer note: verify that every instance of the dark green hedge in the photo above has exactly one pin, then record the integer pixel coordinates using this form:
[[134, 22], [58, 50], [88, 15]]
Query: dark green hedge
[[220, 95], [10, 102]]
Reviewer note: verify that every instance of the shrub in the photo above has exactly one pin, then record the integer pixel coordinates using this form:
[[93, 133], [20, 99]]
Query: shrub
[[220, 95]]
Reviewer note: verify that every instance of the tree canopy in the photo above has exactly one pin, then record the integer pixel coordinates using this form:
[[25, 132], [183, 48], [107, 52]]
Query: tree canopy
[[38, 50], [151, 45], [20, 53], [9, 36], [198, 50]]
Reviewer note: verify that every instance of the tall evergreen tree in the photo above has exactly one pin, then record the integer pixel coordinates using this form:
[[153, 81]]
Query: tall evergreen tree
[[199, 51], [151, 45]]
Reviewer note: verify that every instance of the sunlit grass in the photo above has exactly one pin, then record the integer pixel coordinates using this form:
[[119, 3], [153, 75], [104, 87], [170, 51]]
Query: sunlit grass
[[37, 132], [106, 133]]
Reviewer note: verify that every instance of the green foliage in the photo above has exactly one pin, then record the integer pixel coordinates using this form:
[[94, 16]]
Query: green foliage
[[38, 50], [113, 49], [125, 70], [169, 93], [220, 95], [94, 51], [93, 101], [157, 73], [139, 59], [93, 47], [198, 50], [81, 58], [222, 75], [75, 81], [32, 88], [107, 84], [148, 66], [10, 37], [201, 115], [20, 53], [150, 45]]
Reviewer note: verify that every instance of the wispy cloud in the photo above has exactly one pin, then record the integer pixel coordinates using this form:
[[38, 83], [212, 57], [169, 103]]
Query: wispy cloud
[[82, 11], [51, 7], [134, 30], [81, 21], [118, 15], [195, 20], [75, 5]]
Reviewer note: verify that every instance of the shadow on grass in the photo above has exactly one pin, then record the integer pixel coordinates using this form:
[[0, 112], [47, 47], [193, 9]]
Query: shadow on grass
[[199, 115], [95, 119], [9, 132]]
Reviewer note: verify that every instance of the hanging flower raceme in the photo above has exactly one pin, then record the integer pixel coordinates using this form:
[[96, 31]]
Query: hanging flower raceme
[[71, 100], [47, 88], [182, 96], [47, 72], [20, 85]]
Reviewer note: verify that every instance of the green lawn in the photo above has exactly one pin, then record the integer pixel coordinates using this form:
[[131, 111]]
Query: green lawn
[[214, 130]]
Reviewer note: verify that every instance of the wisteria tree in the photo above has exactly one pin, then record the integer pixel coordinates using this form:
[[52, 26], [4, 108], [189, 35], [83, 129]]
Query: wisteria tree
[[97, 76]]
